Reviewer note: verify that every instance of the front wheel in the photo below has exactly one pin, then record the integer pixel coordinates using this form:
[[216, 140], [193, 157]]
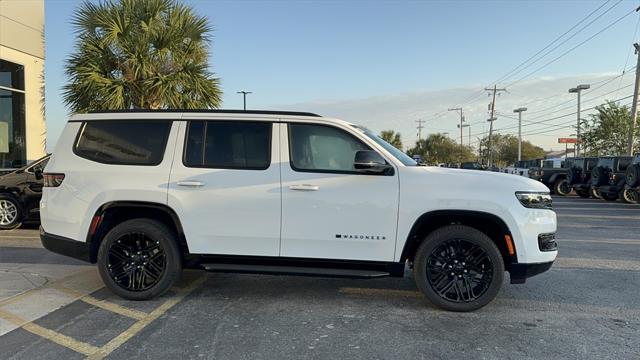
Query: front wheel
[[562, 187], [596, 193], [139, 259], [630, 196], [458, 268]]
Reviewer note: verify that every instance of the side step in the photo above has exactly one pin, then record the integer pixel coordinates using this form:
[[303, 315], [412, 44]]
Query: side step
[[294, 270]]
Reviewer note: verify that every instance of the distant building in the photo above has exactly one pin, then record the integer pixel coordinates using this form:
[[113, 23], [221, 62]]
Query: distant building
[[22, 123]]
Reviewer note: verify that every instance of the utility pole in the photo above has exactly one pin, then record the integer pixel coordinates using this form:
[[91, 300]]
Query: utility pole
[[491, 120], [420, 127], [519, 111], [244, 97], [578, 90], [492, 107], [459, 110], [634, 106]]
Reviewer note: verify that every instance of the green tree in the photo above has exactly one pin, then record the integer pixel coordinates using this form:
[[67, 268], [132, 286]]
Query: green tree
[[392, 138], [504, 149], [148, 54], [606, 131], [438, 148]]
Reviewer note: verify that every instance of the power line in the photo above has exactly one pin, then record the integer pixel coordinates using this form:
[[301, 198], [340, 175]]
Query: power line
[[569, 38], [575, 47]]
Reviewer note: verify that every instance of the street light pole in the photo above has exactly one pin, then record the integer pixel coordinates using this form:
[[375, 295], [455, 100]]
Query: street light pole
[[459, 110], [578, 89], [519, 111], [244, 98], [634, 105]]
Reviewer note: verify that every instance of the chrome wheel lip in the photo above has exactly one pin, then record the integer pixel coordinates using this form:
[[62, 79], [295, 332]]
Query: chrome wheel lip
[[136, 262], [459, 271], [8, 212]]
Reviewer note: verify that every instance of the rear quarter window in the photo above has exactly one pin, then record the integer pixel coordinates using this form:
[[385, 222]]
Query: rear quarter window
[[123, 142]]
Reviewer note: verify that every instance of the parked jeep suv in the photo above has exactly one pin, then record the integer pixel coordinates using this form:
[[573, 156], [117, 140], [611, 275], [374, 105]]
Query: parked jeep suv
[[283, 193], [608, 177], [579, 174]]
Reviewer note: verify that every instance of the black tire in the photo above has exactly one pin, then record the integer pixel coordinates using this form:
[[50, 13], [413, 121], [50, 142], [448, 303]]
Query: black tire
[[595, 193], [488, 270], [583, 194], [136, 281], [632, 176], [14, 212], [561, 187]]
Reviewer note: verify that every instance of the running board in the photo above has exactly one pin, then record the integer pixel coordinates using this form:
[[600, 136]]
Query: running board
[[294, 270]]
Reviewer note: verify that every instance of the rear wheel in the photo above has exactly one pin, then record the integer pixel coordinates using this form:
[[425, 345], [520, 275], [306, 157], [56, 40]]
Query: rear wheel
[[10, 212], [139, 259], [561, 187], [458, 268]]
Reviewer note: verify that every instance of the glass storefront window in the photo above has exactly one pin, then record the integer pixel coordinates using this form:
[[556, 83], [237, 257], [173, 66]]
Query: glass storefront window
[[12, 115]]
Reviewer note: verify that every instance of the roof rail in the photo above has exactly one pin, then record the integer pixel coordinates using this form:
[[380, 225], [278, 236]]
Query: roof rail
[[215, 111]]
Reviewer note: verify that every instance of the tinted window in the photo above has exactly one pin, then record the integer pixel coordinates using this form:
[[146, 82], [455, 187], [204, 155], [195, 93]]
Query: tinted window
[[591, 163], [228, 145], [623, 164], [123, 142], [322, 148], [606, 162]]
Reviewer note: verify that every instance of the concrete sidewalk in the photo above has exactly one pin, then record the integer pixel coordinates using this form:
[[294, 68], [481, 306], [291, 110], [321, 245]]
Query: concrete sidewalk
[[35, 282]]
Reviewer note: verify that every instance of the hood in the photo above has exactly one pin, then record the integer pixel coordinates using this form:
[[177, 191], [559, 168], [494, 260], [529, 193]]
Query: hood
[[463, 179]]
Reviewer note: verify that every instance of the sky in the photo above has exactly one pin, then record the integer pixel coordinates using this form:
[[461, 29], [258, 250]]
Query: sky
[[387, 64]]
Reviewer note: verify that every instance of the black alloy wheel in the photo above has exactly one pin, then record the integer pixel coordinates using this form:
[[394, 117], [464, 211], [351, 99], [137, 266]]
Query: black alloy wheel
[[458, 268], [459, 271], [136, 262], [139, 259]]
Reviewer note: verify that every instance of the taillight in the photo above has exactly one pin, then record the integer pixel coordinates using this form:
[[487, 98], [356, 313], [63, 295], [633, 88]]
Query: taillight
[[52, 180]]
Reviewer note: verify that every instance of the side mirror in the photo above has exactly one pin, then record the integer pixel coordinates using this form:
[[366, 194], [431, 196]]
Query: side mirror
[[38, 173], [369, 161]]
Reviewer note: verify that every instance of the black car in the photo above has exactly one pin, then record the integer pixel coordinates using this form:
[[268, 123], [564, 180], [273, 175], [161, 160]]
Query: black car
[[20, 193], [579, 174], [608, 177]]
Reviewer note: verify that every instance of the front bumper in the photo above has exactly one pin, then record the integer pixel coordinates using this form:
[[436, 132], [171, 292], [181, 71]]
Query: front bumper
[[610, 190], [67, 247], [581, 187], [520, 272]]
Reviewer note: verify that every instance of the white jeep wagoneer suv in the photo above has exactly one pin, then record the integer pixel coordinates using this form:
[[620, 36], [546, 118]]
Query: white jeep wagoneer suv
[[145, 194]]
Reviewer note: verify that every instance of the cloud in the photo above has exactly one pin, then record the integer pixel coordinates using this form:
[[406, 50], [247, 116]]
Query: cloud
[[545, 97]]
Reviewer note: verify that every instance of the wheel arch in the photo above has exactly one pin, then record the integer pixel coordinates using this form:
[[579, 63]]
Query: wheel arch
[[112, 213], [491, 225]]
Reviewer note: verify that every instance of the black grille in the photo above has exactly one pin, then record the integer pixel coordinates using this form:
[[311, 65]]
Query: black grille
[[547, 242]]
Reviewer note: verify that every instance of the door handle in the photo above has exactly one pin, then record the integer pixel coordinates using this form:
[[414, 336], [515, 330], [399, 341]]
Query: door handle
[[190, 183], [304, 187]]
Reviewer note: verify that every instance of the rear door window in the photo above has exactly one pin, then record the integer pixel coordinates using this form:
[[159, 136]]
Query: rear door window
[[123, 142], [623, 164], [228, 145]]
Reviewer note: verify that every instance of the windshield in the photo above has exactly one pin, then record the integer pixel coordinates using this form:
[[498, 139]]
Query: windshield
[[398, 154]]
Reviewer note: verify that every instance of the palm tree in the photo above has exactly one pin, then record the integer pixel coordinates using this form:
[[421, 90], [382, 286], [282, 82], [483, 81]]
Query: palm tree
[[392, 138], [149, 54]]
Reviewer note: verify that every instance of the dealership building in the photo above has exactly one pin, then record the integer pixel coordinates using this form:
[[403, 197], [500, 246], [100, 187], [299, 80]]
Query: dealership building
[[22, 122]]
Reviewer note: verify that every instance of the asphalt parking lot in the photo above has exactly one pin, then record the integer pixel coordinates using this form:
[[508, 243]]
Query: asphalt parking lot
[[586, 306]]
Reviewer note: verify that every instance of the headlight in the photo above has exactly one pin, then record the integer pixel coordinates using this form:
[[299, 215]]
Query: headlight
[[534, 200]]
